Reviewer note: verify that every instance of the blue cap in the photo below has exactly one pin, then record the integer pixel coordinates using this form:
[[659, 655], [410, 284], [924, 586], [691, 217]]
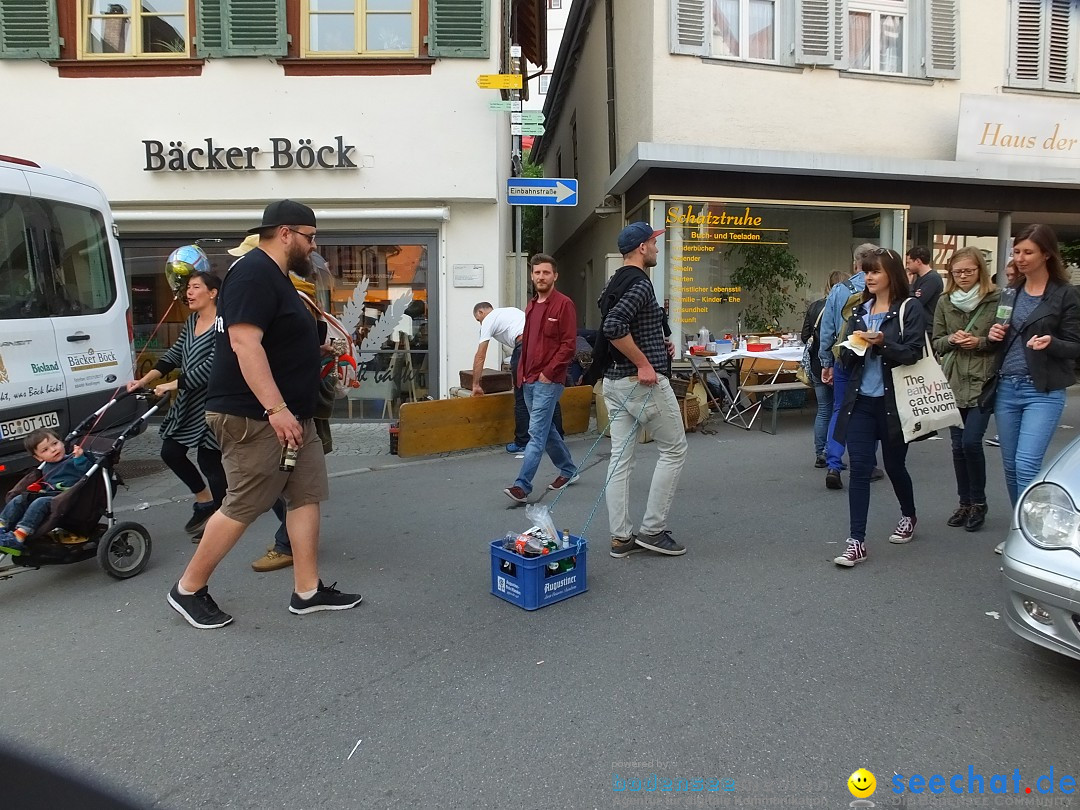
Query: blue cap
[[634, 235]]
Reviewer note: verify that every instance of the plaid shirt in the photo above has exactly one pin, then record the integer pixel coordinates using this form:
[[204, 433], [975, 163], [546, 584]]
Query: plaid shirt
[[639, 315]]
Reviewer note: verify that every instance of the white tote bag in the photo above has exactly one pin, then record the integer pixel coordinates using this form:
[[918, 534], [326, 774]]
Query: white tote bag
[[924, 398]]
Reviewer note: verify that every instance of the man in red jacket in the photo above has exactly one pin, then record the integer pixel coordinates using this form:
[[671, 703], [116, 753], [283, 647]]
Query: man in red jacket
[[547, 346]]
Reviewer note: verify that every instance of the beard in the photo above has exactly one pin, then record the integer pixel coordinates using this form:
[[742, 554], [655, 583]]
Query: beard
[[298, 262]]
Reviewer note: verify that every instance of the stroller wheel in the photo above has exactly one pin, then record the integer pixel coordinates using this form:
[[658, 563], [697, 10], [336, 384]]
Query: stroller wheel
[[124, 550]]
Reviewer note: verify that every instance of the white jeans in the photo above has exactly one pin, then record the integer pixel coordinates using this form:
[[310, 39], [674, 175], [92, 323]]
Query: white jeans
[[625, 400]]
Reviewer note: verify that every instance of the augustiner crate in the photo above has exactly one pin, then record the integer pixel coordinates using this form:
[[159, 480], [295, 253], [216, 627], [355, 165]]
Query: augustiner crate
[[529, 583]]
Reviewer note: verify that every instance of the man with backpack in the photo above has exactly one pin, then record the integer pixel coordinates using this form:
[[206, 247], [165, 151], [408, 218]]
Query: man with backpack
[[841, 302]]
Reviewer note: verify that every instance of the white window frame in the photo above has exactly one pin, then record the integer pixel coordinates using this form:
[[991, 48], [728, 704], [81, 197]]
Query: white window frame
[[878, 9], [359, 13], [744, 33], [545, 81], [134, 17]]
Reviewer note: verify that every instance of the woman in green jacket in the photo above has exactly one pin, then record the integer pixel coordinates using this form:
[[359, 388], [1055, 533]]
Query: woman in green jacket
[[963, 318]]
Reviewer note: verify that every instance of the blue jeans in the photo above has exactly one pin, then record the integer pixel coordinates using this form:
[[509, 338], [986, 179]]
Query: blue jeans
[[969, 461], [521, 411], [824, 395], [541, 399], [867, 426], [281, 536], [26, 514], [1026, 420], [834, 451]]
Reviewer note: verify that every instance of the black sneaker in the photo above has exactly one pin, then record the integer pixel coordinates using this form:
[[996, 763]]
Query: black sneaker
[[661, 543], [327, 597], [877, 474], [200, 610], [200, 513], [832, 480], [820, 463], [621, 547]]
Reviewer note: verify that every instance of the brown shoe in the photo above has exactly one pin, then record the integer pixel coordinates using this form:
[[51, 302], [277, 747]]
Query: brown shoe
[[272, 560]]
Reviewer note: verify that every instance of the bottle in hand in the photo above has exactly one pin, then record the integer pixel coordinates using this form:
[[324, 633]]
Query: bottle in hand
[[1005, 305], [289, 454]]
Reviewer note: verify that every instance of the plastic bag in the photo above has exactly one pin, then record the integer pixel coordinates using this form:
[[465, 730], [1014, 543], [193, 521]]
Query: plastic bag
[[540, 516]]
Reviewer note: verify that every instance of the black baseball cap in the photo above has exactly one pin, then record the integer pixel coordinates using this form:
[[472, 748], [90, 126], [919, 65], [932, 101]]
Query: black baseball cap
[[286, 212]]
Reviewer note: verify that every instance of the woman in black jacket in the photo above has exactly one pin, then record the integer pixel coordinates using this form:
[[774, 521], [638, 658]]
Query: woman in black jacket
[[1037, 352], [888, 330]]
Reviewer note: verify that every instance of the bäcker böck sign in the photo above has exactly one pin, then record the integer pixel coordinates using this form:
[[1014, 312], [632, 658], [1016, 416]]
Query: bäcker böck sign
[[208, 155]]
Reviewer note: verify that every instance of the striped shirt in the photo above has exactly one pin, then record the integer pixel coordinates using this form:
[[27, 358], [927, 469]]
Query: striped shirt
[[193, 354], [639, 315]]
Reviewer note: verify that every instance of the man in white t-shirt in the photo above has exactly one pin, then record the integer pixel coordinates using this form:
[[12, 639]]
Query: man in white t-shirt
[[506, 325]]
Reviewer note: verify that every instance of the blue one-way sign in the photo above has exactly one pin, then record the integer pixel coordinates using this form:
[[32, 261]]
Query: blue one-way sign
[[541, 191]]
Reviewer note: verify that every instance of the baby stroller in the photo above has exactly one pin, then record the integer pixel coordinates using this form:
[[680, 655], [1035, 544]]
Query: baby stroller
[[81, 524]]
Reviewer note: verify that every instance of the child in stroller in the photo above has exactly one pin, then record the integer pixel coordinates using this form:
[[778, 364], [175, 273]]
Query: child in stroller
[[27, 511], [75, 519]]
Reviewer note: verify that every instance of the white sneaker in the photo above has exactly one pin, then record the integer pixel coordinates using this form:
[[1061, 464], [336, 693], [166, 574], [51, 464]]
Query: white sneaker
[[856, 553]]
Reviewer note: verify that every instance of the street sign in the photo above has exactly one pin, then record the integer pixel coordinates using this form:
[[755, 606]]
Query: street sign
[[541, 191], [515, 129], [499, 81], [532, 116], [532, 129], [500, 106]]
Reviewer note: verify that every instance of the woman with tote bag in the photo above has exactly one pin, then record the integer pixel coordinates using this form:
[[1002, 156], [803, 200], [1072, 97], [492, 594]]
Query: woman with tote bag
[[884, 333], [1037, 348], [962, 320]]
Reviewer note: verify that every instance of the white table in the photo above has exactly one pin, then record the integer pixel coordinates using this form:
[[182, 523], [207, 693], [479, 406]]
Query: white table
[[742, 412]]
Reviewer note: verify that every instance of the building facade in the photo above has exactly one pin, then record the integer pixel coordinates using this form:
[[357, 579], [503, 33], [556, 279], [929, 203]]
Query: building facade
[[760, 132], [191, 116]]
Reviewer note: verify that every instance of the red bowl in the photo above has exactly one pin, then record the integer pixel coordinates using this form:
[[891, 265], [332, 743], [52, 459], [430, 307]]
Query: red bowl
[[757, 347]]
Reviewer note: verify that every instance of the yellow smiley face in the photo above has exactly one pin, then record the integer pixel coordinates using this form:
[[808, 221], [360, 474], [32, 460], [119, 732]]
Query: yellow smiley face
[[861, 783]]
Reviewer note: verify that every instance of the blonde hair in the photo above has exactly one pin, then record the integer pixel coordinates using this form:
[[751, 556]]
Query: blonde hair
[[976, 255]]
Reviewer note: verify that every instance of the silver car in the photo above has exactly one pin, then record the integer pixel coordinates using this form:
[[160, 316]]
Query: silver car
[[1042, 558]]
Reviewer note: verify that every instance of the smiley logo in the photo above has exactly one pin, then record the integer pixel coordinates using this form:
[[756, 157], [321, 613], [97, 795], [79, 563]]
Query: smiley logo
[[861, 783]]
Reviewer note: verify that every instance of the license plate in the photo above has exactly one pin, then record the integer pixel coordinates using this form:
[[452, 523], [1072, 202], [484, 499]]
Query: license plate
[[24, 426]]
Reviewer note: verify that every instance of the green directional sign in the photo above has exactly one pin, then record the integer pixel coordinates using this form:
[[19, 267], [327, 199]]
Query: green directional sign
[[532, 117], [532, 129], [500, 106]]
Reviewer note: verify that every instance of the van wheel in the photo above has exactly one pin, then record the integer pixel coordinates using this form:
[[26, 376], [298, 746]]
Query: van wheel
[[124, 550]]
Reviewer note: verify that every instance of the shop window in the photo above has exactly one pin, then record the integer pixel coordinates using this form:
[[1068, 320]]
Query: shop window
[[876, 36], [360, 28], [157, 28], [1043, 44]]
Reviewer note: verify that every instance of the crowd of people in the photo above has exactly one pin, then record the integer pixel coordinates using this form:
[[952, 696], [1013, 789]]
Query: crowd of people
[[1012, 362]]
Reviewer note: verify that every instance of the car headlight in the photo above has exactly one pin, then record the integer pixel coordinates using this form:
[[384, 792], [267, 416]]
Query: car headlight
[[1049, 518]]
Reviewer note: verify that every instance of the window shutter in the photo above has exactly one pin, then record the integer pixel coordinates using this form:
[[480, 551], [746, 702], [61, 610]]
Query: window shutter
[[819, 28], [241, 28], [28, 30], [689, 27], [1044, 37], [1061, 41], [942, 39], [458, 28]]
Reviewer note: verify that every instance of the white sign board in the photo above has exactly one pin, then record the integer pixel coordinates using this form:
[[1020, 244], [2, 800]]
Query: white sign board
[[468, 275], [1014, 129]]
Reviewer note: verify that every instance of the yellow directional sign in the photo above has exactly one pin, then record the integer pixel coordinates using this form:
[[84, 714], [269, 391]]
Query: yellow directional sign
[[499, 81]]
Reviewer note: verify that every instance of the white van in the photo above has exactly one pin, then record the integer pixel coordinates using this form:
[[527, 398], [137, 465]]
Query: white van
[[65, 338]]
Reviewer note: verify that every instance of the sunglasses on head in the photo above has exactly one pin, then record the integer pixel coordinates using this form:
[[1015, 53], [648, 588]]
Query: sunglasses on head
[[885, 252]]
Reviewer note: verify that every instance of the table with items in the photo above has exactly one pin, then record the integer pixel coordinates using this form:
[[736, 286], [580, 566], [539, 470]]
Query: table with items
[[753, 388]]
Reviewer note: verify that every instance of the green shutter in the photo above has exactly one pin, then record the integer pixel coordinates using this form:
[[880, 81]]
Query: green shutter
[[28, 30], [458, 28], [241, 28]]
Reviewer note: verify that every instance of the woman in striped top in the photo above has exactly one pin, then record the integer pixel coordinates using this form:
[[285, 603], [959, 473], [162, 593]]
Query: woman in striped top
[[184, 426]]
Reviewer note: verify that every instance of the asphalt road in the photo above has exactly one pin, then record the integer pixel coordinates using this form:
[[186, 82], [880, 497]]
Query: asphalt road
[[752, 663]]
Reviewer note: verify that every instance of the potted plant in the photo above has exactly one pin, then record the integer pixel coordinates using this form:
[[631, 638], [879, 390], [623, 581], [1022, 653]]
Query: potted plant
[[768, 276]]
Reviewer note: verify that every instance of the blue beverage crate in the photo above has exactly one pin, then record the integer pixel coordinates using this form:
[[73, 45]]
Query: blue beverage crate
[[528, 585]]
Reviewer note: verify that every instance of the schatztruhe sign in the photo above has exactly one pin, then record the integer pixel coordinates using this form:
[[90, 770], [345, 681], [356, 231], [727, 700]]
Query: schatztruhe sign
[[209, 155]]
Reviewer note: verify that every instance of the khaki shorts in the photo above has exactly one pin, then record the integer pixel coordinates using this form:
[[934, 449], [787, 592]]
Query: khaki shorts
[[251, 453]]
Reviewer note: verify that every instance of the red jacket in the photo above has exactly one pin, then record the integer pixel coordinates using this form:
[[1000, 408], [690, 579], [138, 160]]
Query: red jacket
[[548, 347]]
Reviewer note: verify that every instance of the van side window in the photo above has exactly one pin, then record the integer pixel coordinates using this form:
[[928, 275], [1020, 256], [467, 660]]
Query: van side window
[[20, 293], [82, 276]]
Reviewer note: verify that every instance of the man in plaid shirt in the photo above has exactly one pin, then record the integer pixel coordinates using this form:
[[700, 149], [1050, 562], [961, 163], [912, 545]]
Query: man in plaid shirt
[[637, 390]]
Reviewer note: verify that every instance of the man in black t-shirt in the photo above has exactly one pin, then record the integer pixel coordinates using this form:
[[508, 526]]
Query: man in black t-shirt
[[927, 285], [260, 405]]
